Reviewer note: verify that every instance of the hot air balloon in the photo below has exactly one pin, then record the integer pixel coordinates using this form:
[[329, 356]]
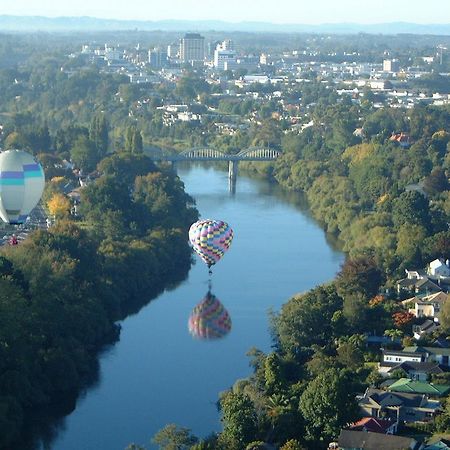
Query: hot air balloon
[[21, 185], [209, 319], [210, 239]]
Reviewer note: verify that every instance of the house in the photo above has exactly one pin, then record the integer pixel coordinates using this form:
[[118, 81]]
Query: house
[[441, 444], [427, 327], [420, 371], [427, 306], [374, 425], [393, 358], [420, 286], [413, 359], [431, 354], [419, 387], [439, 269], [355, 440], [398, 406], [402, 139]]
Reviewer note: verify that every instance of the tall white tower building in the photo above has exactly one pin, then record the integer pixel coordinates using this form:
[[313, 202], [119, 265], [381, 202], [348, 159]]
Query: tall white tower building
[[225, 56]]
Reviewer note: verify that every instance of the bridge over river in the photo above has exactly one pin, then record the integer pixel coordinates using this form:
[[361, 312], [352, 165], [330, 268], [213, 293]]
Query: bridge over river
[[212, 154]]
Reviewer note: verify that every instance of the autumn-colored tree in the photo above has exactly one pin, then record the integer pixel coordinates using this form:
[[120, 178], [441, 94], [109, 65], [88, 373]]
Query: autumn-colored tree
[[402, 318], [377, 300], [58, 205]]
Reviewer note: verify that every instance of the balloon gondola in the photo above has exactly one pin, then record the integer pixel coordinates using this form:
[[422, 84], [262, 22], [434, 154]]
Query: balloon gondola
[[21, 185], [209, 319], [210, 239]]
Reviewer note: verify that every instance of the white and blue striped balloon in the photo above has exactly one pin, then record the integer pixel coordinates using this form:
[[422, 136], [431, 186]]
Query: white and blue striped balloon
[[21, 185]]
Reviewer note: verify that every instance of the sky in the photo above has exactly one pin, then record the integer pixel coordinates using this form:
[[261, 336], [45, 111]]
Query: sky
[[276, 11]]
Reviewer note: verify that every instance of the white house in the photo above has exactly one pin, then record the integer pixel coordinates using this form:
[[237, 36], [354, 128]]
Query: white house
[[439, 269], [428, 306]]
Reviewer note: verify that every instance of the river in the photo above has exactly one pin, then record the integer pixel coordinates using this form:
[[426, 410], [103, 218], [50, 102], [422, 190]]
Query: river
[[158, 373]]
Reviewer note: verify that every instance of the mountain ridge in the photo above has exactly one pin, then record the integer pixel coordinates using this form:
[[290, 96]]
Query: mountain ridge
[[87, 23]]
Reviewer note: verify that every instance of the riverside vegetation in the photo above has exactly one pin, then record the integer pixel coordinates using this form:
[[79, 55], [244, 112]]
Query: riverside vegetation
[[389, 205], [62, 290]]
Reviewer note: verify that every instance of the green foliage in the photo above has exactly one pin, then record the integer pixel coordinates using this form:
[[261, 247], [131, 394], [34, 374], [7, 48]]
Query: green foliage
[[359, 276], [62, 290], [307, 320], [436, 182], [98, 133], [239, 421], [172, 437], [133, 140], [256, 445], [327, 404], [84, 154], [292, 444], [411, 208]]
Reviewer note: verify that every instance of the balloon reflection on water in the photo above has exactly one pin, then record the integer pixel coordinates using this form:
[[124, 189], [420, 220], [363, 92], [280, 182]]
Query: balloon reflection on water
[[209, 319]]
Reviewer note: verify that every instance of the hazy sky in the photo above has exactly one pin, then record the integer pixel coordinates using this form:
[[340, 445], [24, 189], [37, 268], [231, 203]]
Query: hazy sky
[[279, 11]]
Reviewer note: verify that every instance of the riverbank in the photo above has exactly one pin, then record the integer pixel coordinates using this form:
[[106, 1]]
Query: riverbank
[[158, 373], [63, 290]]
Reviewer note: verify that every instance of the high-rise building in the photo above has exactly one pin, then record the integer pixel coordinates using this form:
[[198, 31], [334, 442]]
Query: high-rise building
[[173, 50], [157, 58], [192, 48], [391, 65], [228, 44], [225, 56]]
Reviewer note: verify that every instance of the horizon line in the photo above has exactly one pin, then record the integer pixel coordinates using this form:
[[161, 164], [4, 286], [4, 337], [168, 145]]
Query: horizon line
[[242, 22]]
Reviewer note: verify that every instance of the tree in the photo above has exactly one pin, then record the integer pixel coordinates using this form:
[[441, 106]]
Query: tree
[[436, 182], [350, 355], [239, 420], [292, 444], [409, 242], [402, 319], [256, 445], [394, 334], [327, 404], [98, 133], [296, 327], [84, 154], [172, 437], [59, 206], [445, 316], [411, 208], [355, 311], [133, 140], [359, 276], [273, 373]]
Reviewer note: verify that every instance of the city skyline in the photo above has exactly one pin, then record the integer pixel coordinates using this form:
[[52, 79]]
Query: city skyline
[[286, 11]]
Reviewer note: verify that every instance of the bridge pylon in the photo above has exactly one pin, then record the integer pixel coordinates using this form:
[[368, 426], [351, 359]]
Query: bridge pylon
[[232, 175]]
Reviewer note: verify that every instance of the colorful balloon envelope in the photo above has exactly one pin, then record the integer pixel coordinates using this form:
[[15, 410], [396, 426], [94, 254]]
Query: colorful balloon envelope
[[209, 319], [210, 239], [21, 185]]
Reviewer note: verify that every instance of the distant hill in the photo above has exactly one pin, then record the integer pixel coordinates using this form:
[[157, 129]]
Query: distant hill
[[35, 23]]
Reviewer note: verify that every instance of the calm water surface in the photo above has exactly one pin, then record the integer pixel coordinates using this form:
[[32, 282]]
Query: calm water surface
[[158, 374]]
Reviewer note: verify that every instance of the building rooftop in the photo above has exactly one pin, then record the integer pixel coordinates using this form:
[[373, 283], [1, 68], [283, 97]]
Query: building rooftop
[[419, 387], [350, 439]]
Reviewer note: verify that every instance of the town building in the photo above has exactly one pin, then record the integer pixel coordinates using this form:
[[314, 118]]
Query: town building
[[192, 48], [356, 440], [398, 406], [225, 56], [157, 58], [391, 65]]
